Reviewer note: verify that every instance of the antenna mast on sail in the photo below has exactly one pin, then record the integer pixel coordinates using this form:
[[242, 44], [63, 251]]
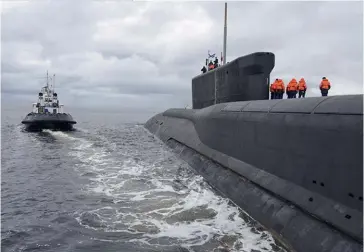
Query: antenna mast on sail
[[225, 35]]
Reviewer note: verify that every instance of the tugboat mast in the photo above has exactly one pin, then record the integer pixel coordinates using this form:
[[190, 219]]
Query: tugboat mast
[[54, 82], [49, 89]]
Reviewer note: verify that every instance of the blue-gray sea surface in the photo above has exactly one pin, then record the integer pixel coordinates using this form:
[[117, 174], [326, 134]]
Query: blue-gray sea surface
[[111, 186]]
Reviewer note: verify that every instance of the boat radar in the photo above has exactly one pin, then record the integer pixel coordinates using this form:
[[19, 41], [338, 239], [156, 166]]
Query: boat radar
[[48, 113]]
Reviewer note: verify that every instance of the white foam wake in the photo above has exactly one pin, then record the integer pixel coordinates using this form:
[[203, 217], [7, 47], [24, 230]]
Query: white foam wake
[[152, 195]]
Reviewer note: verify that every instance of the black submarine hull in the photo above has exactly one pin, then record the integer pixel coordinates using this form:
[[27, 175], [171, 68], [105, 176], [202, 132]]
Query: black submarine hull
[[295, 166], [38, 122]]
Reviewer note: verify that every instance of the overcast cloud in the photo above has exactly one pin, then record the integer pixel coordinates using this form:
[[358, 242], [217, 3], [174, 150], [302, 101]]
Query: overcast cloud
[[142, 55]]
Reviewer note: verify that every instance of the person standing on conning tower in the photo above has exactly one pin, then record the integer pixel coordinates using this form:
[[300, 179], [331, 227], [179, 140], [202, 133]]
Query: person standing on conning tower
[[279, 89], [325, 86], [211, 66], [216, 62], [292, 89], [203, 69], [302, 88], [273, 90]]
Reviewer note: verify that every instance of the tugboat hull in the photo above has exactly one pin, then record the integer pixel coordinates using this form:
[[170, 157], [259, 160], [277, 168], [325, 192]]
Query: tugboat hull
[[38, 122]]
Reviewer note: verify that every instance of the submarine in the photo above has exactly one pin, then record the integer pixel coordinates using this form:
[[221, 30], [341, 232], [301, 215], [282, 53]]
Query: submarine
[[293, 165], [48, 113]]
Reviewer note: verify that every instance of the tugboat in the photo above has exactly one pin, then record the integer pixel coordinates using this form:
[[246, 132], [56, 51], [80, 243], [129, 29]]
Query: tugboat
[[48, 113]]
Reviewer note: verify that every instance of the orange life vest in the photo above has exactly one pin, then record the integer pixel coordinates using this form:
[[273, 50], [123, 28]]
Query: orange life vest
[[302, 85], [292, 85], [280, 86], [273, 87], [325, 84]]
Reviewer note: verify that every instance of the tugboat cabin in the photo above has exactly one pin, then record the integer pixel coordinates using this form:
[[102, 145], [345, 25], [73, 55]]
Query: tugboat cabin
[[47, 103]]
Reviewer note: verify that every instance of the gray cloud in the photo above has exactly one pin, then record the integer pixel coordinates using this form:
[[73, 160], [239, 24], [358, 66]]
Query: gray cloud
[[139, 56]]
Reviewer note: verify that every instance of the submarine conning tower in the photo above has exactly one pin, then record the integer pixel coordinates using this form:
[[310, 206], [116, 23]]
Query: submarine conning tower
[[243, 79]]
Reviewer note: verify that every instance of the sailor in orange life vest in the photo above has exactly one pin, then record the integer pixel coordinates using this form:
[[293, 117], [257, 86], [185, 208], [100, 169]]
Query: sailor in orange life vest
[[302, 88], [279, 89], [272, 89], [325, 86], [292, 89]]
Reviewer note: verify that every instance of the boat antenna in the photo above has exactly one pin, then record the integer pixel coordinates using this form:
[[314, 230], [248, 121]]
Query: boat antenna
[[225, 34], [54, 82], [47, 79]]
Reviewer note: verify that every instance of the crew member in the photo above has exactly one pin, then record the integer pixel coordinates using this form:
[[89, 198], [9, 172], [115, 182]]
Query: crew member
[[279, 89], [273, 90], [211, 66], [302, 88], [292, 89], [216, 62], [325, 86], [203, 69]]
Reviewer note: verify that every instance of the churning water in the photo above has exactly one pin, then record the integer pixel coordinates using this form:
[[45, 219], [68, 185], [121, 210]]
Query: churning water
[[112, 188]]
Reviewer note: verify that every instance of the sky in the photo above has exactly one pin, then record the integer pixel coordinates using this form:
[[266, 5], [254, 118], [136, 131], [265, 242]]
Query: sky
[[141, 56]]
